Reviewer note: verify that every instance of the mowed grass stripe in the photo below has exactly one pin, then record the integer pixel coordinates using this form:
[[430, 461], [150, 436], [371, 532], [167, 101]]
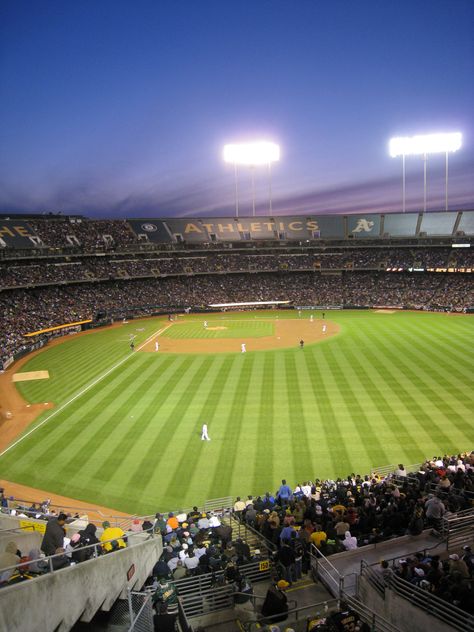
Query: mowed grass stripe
[[146, 467], [123, 433], [51, 439], [448, 371], [193, 449], [328, 422], [343, 413], [399, 385], [79, 359], [222, 478], [402, 435], [247, 461], [299, 438], [263, 471], [429, 387], [415, 403], [362, 425], [444, 386]]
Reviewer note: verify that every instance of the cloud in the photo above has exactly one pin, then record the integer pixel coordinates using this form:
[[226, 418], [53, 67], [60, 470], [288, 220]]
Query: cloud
[[96, 197]]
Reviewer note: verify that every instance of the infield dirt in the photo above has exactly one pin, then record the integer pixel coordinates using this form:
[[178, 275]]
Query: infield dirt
[[288, 334]]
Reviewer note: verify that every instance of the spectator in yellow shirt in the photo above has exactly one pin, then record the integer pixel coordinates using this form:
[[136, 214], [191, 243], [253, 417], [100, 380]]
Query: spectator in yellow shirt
[[112, 533], [318, 536]]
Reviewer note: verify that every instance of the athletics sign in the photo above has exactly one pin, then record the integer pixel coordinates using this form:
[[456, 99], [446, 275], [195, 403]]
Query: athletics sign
[[17, 234]]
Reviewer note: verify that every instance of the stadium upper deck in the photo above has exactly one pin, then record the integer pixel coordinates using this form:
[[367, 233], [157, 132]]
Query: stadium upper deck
[[20, 233]]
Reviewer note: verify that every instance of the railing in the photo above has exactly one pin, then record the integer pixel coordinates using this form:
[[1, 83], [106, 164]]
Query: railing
[[140, 611], [427, 601], [219, 505], [458, 529], [293, 614], [83, 513], [201, 594], [368, 616], [183, 622], [243, 529], [442, 492], [208, 600], [326, 572], [385, 470], [48, 561]]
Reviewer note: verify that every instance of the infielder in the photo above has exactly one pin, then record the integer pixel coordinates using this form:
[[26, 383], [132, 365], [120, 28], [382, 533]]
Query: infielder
[[243, 348], [157, 345]]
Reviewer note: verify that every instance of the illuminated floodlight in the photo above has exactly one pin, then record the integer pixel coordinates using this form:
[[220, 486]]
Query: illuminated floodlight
[[252, 154], [426, 144]]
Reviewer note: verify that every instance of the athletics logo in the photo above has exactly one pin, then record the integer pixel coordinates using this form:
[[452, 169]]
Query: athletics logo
[[149, 228], [363, 226]]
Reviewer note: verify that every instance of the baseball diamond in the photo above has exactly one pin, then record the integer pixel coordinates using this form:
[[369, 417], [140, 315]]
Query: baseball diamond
[[124, 429]]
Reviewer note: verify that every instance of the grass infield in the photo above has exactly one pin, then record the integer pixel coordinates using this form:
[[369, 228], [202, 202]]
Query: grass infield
[[388, 388]]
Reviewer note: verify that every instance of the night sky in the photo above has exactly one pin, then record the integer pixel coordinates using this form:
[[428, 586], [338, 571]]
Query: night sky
[[121, 109]]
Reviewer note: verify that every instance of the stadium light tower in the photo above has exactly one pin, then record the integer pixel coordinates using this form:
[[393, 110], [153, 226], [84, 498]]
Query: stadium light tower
[[424, 145], [252, 155]]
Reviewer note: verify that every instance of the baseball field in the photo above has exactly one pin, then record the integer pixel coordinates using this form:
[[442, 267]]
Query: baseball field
[[122, 428]]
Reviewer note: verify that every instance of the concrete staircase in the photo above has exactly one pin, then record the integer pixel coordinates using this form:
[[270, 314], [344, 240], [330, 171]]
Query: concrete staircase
[[248, 535]]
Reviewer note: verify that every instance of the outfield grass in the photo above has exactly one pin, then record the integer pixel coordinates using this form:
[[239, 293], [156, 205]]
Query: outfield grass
[[389, 388]]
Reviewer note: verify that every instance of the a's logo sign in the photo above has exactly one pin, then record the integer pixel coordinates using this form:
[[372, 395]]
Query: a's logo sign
[[149, 228], [363, 226]]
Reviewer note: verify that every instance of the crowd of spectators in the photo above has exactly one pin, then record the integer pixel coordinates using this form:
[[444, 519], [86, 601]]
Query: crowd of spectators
[[56, 550], [27, 310], [450, 579], [330, 515], [63, 270], [348, 513], [88, 234]]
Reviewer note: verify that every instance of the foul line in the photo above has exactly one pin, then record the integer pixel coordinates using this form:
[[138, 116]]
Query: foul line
[[84, 390]]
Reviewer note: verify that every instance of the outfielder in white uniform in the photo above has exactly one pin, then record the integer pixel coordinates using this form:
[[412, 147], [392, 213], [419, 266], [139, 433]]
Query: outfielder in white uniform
[[204, 435]]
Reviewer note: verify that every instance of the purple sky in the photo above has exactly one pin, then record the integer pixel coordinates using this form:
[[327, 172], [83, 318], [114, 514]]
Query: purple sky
[[121, 109]]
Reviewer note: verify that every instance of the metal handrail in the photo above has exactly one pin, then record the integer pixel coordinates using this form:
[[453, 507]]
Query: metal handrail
[[323, 605], [19, 529], [431, 603], [368, 615], [268, 543], [315, 554], [95, 546], [423, 599]]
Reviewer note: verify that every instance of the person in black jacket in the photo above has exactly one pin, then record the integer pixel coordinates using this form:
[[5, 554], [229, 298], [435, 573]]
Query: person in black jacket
[[163, 621], [54, 535], [276, 602]]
